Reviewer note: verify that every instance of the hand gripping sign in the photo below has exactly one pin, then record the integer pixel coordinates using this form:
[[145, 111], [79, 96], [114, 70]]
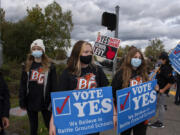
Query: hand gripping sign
[[83, 111], [106, 47], [136, 104], [174, 57]]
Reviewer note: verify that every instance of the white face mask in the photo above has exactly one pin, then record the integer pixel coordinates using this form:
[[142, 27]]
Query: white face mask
[[136, 62], [37, 53]]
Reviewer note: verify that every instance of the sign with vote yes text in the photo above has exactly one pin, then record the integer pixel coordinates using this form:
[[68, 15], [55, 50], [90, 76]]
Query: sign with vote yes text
[[136, 104], [82, 111]]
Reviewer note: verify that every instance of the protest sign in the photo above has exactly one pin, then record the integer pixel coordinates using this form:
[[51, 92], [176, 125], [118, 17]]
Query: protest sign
[[174, 57], [82, 111], [106, 47], [136, 104]]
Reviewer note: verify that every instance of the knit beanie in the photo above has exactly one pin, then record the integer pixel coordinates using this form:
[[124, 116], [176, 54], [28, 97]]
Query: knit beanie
[[38, 42]]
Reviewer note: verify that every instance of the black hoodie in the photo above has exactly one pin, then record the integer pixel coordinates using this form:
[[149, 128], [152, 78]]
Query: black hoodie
[[35, 87], [91, 77], [164, 76], [4, 98]]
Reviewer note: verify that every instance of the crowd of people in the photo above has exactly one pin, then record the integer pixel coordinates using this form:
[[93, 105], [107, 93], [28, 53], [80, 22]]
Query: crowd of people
[[39, 79]]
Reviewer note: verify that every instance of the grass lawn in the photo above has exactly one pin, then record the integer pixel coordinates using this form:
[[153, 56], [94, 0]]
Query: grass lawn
[[20, 125]]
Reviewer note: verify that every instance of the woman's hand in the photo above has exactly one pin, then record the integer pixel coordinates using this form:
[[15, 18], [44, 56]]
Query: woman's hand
[[157, 87], [114, 116], [161, 91], [115, 121], [52, 128], [5, 122]]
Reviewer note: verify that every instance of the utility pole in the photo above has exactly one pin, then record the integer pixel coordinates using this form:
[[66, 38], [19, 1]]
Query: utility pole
[[117, 21], [116, 36], [1, 47]]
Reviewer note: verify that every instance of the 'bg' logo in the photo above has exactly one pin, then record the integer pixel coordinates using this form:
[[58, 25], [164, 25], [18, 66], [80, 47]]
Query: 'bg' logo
[[86, 82], [36, 76]]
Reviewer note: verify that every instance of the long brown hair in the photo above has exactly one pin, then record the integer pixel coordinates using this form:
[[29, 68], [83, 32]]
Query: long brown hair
[[45, 62], [74, 64], [127, 67]]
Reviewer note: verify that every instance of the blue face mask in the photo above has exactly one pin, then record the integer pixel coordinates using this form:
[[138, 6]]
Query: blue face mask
[[37, 54], [136, 62]]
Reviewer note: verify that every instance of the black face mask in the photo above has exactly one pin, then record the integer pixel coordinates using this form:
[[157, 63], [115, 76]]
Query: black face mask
[[86, 59]]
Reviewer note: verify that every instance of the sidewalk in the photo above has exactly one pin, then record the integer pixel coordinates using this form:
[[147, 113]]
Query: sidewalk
[[172, 121]]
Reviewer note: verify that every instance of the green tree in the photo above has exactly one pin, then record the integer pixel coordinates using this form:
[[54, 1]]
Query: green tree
[[120, 52], [2, 17], [36, 18], [60, 54], [58, 27], [52, 25], [154, 49], [123, 51], [17, 38]]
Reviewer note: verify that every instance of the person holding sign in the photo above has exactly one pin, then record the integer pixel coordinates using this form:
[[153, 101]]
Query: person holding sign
[[81, 73], [164, 79], [132, 72], [37, 81]]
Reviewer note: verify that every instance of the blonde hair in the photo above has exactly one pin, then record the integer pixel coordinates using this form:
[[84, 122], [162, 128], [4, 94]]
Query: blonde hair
[[74, 64]]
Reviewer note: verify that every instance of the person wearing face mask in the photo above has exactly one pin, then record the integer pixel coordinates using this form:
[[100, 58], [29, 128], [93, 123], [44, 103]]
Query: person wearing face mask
[[37, 81], [80, 73], [165, 80], [133, 71]]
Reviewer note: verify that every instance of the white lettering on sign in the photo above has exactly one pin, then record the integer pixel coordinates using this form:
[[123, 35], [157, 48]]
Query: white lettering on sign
[[147, 96], [88, 94], [95, 106], [99, 49], [141, 89]]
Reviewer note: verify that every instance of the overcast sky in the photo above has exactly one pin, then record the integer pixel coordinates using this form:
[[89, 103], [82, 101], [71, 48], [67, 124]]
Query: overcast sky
[[139, 20]]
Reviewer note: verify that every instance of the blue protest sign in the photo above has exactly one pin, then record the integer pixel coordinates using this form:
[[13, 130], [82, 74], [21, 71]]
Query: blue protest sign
[[135, 104], [174, 57], [82, 111]]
